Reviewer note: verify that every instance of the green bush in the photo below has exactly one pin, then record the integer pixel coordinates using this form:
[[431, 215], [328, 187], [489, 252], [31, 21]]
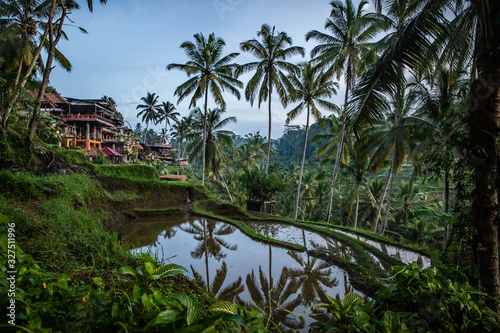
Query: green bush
[[415, 301]]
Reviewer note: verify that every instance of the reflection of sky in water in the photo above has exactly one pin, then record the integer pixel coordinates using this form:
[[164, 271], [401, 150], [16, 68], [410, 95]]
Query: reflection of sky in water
[[403, 255], [292, 234], [248, 256]]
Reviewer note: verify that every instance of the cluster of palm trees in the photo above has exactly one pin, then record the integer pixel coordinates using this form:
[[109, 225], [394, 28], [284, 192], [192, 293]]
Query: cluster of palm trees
[[153, 111], [402, 95]]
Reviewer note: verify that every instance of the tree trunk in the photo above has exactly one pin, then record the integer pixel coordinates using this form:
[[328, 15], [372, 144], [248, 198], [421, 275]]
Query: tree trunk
[[336, 169], [446, 206], [340, 147], [20, 83], [397, 114], [227, 188], [483, 156], [381, 203], [53, 40], [204, 137], [357, 205], [269, 131], [388, 204], [205, 245], [302, 166]]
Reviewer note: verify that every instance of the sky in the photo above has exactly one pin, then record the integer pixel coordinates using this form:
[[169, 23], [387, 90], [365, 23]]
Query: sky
[[130, 43]]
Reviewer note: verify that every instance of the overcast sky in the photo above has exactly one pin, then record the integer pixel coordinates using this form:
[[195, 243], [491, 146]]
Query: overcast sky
[[130, 42]]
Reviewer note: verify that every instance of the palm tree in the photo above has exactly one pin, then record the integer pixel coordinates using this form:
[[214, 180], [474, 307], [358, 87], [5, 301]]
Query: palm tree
[[211, 72], [358, 165], [391, 139], [149, 109], [252, 151], [54, 32], [165, 113], [272, 52], [346, 50], [181, 130], [216, 142], [311, 86], [109, 101], [138, 129]]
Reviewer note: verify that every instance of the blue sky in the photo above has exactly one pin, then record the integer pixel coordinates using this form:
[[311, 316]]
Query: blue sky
[[130, 42]]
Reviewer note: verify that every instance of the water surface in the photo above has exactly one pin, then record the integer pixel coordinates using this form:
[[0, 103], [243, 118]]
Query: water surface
[[234, 267]]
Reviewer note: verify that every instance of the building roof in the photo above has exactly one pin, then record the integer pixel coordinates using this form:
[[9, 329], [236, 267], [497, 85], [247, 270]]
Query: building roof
[[50, 98], [55, 98], [94, 152], [111, 152]]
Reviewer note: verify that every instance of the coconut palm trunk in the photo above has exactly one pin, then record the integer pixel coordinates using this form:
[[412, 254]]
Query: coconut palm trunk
[[269, 130], [54, 37], [381, 203], [226, 187], [302, 165], [340, 147], [20, 83], [357, 204], [484, 131], [389, 192], [205, 243], [204, 137]]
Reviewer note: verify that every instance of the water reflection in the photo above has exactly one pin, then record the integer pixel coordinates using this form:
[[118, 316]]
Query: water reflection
[[282, 284], [276, 301], [229, 292], [314, 278], [405, 256]]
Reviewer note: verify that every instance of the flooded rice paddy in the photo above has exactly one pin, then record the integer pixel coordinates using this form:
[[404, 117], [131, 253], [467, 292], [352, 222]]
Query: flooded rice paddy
[[232, 266]]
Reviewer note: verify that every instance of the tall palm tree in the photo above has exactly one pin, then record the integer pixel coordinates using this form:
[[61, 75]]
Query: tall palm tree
[[149, 109], [252, 151], [311, 87], [347, 50], [272, 52], [165, 113], [392, 141], [181, 130], [358, 165], [216, 143], [212, 72]]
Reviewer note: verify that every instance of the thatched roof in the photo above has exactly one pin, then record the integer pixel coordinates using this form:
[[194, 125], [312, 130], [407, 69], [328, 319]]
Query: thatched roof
[[94, 152], [69, 134]]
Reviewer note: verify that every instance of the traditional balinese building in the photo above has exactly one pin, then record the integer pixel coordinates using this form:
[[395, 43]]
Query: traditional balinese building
[[88, 124]]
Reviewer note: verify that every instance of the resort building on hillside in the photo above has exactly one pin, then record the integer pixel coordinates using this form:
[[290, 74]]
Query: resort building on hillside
[[89, 124], [92, 125]]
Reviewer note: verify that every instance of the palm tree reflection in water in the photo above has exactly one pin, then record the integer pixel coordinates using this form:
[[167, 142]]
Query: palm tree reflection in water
[[210, 242]]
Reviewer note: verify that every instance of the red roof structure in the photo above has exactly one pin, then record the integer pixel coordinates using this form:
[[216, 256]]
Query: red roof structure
[[111, 152]]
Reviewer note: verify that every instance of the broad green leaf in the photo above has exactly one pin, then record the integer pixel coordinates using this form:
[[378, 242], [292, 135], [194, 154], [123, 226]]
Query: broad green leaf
[[166, 317], [188, 305], [169, 270], [391, 321], [126, 270], [150, 267], [224, 306]]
